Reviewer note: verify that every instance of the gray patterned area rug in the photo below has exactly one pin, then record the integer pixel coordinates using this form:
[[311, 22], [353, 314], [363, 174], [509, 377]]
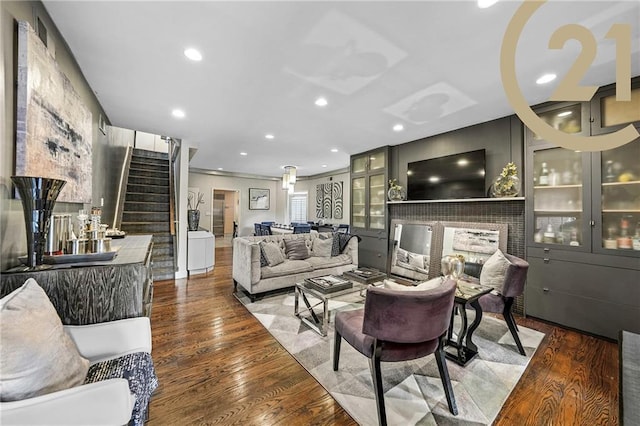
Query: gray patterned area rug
[[413, 390]]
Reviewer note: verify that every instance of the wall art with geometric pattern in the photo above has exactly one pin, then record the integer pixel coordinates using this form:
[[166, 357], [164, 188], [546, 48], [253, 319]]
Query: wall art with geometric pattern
[[329, 200]]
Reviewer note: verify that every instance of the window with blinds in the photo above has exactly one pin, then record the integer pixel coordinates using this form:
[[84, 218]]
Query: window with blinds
[[298, 207]]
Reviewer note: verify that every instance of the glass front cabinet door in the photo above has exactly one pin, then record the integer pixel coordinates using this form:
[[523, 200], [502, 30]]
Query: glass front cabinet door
[[617, 192], [560, 213], [368, 191]]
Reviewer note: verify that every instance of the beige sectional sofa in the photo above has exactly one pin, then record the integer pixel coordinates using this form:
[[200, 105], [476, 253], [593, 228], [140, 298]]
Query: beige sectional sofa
[[256, 279]]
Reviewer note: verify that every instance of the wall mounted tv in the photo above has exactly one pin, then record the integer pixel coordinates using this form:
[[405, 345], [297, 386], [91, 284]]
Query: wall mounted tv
[[455, 176]]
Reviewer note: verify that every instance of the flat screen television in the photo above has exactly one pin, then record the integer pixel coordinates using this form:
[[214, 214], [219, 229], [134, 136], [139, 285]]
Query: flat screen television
[[455, 176]]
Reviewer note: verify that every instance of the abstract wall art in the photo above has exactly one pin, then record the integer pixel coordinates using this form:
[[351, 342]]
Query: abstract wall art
[[54, 127], [329, 200]]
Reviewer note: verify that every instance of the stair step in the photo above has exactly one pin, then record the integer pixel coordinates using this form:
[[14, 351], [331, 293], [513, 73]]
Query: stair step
[[146, 197], [153, 165], [137, 206], [150, 154], [133, 216], [155, 189], [162, 238], [163, 250], [147, 180], [148, 172], [144, 227]]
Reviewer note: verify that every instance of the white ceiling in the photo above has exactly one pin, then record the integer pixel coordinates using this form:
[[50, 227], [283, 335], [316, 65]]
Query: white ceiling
[[432, 66]]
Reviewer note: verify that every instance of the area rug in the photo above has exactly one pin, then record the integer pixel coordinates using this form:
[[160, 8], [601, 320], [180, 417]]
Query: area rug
[[413, 390]]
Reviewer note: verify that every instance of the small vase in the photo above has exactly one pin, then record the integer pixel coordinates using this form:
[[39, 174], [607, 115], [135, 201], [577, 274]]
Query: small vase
[[38, 196], [452, 266], [193, 218], [505, 187], [397, 193]]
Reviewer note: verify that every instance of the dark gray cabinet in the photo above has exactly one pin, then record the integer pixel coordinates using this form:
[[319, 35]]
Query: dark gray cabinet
[[369, 183], [583, 222]]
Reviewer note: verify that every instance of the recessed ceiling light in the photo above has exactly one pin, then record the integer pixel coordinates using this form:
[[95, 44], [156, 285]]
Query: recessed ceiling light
[[564, 113], [193, 54], [178, 113], [483, 4], [324, 165], [398, 128], [243, 153], [220, 168], [321, 102], [334, 149], [434, 179], [269, 136], [546, 78], [463, 162]]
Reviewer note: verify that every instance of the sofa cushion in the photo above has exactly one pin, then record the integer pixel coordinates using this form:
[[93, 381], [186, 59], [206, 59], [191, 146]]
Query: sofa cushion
[[37, 356], [425, 285], [288, 267], [321, 248], [494, 271], [296, 249], [272, 253], [329, 262]]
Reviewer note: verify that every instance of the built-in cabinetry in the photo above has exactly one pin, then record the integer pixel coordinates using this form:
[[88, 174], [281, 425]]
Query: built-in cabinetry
[[583, 220], [369, 176], [89, 293], [200, 252]]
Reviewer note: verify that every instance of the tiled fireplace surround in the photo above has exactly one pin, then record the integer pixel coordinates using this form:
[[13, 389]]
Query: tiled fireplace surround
[[510, 212]]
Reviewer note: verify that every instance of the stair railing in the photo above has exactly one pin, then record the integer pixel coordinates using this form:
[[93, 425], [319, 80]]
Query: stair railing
[[122, 188], [174, 149]]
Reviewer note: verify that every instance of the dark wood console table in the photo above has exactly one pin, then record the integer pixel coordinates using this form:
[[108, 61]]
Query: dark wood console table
[[89, 293]]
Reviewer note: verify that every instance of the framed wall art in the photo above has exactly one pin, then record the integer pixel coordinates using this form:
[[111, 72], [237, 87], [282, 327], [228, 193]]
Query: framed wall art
[[258, 199]]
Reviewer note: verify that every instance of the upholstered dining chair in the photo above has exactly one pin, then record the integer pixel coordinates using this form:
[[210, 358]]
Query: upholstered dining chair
[[302, 229], [398, 325], [501, 300]]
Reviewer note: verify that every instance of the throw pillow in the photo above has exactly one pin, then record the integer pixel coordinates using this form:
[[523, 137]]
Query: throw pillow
[[296, 249], [321, 248], [272, 253], [494, 271], [416, 260], [335, 248], [402, 255], [263, 258], [36, 355], [425, 285]]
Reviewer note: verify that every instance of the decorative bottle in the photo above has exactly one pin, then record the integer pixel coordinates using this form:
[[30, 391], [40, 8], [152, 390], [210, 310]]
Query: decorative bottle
[[543, 179]]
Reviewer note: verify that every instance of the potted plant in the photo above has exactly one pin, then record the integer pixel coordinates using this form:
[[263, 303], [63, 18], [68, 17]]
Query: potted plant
[[396, 192], [193, 214], [507, 184]]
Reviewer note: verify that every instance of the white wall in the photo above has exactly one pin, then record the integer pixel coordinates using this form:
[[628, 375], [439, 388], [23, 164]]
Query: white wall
[[309, 185], [206, 183], [278, 204]]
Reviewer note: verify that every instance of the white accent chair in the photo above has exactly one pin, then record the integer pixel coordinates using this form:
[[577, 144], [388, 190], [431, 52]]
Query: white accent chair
[[108, 402]]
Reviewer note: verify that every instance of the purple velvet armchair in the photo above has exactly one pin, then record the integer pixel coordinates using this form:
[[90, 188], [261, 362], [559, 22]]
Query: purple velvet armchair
[[399, 326], [512, 287]]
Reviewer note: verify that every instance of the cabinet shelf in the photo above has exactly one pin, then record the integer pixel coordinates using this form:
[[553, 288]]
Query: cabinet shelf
[[557, 186], [621, 211], [633, 182], [549, 211]]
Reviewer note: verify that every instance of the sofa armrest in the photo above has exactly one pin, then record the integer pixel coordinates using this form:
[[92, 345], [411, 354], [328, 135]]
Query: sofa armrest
[[352, 249], [246, 262], [106, 340], [108, 402]]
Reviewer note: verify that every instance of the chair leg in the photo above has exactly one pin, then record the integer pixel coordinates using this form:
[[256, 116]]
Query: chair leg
[[336, 350], [376, 375], [508, 317], [444, 376], [511, 323]]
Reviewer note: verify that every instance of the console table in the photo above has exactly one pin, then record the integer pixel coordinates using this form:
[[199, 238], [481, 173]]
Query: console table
[[89, 293]]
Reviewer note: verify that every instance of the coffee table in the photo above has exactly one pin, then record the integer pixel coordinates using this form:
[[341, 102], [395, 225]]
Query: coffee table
[[462, 350], [307, 314]]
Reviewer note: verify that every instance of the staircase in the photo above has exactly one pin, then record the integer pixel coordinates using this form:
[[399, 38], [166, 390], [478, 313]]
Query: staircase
[[146, 207]]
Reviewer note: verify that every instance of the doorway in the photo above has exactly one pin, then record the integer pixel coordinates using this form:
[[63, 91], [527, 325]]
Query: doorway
[[224, 214]]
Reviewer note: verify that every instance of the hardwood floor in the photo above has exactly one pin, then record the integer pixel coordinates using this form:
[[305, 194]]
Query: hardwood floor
[[217, 365]]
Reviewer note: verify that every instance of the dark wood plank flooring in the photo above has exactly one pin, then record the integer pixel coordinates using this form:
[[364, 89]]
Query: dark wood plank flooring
[[217, 365]]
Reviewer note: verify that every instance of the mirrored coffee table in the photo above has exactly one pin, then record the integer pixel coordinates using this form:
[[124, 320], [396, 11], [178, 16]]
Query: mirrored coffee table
[[319, 321]]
